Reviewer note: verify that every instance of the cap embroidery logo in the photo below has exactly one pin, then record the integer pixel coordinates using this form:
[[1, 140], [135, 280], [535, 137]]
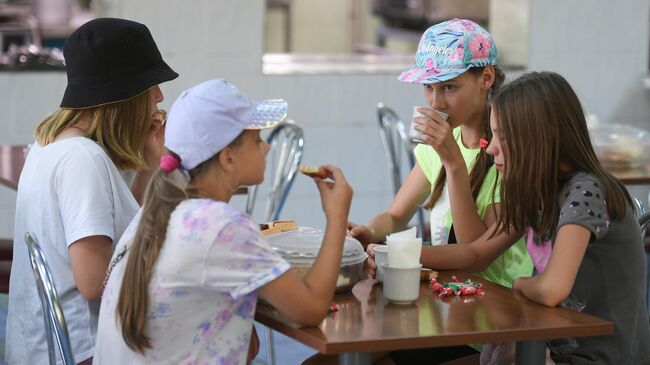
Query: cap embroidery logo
[[432, 48]]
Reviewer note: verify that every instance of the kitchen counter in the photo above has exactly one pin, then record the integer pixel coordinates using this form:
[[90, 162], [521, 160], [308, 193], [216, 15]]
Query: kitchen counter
[[343, 64], [319, 64]]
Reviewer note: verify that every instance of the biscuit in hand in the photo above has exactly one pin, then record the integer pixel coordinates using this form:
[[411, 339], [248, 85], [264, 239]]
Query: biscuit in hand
[[160, 115], [314, 171]]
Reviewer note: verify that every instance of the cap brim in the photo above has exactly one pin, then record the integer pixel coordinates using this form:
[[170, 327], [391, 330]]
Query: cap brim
[[430, 76], [268, 113]]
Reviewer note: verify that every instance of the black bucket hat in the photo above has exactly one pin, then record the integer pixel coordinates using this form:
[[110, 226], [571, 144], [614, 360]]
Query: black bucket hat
[[110, 60]]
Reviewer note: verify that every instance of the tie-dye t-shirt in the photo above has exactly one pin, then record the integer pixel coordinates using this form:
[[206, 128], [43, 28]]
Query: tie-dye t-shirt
[[202, 291]]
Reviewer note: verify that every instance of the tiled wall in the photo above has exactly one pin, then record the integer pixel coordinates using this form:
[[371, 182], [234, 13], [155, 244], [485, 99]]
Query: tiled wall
[[600, 46]]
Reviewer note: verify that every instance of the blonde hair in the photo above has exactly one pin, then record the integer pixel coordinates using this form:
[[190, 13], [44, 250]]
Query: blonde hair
[[161, 198], [480, 168], [120, 128]]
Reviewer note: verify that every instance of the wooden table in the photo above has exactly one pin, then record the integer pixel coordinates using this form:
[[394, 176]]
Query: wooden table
[[12, 159], [366, 322], [634, 176]]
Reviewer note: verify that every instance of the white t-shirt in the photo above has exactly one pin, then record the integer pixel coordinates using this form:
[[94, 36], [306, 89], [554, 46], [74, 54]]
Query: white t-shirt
[[202, 294], [68, 190]]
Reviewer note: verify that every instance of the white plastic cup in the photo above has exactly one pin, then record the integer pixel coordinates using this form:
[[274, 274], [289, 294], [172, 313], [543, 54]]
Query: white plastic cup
[[381, 258], [414, 134], [401, 285]]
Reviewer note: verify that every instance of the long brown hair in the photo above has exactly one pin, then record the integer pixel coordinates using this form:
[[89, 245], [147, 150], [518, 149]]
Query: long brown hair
[[120, 128], [541, 125], [480, 168], [162, 196]]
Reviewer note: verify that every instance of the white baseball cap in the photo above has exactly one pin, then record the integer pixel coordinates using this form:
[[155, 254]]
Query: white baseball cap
[[207, 117]]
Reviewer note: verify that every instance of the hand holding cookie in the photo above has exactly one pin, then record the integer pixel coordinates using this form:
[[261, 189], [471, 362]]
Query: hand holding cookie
[[160, 116], [313, 171]]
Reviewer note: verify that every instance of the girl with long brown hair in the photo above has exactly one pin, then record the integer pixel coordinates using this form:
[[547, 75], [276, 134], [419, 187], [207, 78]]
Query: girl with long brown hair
[[582, 232], [456, 64], [185, 278], [71, 196]]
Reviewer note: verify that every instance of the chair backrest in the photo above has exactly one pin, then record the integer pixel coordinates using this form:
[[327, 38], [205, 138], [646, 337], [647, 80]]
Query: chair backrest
[[639, 209], [395, 140], [55, 327], [286, 143], [644, 222]]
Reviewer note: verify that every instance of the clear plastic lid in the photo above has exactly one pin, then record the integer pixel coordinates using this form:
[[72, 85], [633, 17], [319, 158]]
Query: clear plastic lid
[[618, 144], [301, 247]]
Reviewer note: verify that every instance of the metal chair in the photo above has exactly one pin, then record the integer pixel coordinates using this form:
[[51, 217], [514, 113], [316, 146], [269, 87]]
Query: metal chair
[[639, 209], [285, 154], [395, 140], [286, 148], [55, 327], [644, 222]]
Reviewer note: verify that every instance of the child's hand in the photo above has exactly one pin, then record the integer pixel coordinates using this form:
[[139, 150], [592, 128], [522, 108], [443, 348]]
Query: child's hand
[[362, 233], [335, 196], [372, 264], [436, 132]]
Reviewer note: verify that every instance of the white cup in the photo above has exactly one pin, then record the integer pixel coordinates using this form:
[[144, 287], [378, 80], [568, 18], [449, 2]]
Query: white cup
[[414, 134], [381, 258], [401, 285]]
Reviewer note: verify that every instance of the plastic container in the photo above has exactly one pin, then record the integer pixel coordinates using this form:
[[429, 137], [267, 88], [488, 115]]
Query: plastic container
[[621, 146], [301, 247]]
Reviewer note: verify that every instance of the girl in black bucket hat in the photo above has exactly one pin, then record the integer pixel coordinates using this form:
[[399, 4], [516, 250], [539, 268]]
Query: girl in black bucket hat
[[71, 197]]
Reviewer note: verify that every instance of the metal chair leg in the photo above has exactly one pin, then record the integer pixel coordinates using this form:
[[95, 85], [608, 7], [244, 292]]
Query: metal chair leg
[[270, 353]]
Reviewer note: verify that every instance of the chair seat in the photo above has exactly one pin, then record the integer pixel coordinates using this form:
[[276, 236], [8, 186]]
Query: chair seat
[[5, 270], [6, 249], [320, 359], [6, 255]]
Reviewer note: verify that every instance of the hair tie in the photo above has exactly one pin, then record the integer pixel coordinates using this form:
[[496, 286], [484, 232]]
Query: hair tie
[[168, 163], [483, 143]]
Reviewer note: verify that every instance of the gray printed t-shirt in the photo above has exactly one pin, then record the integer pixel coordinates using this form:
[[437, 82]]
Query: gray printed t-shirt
[[610, 283]]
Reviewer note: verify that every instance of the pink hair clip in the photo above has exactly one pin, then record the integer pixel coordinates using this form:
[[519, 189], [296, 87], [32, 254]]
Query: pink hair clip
[[168, 163], [483, 143]]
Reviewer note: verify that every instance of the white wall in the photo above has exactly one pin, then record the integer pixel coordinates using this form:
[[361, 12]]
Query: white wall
[[202, 39], [601, 47]]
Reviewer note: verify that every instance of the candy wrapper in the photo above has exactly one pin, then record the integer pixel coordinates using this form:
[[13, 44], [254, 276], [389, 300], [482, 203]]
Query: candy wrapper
[[457, 288], [333, 308]]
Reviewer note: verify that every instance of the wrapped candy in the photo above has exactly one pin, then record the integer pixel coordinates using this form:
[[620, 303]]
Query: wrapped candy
[[457, 288], [445, 292], [435, 285]]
